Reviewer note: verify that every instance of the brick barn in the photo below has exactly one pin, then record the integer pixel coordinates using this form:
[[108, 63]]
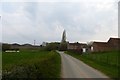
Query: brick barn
[[79, 47], [112, 44]]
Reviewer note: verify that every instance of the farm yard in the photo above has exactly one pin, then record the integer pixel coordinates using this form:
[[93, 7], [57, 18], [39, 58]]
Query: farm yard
[[31, 64], [106, 62]]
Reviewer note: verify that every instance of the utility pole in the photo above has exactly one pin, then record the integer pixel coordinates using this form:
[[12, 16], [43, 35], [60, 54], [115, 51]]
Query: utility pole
[[34, 42]]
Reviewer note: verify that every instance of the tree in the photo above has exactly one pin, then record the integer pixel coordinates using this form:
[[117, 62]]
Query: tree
[[5, 47], [63, 37], [63, 44], [52, 46]]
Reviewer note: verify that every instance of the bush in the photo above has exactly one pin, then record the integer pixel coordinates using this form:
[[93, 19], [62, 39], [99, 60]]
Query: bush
[[52, 46], [63, 46], [5, 47]]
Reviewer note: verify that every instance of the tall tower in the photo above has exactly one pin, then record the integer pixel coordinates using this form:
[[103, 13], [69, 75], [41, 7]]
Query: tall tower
[[64, 37], [34, 42]]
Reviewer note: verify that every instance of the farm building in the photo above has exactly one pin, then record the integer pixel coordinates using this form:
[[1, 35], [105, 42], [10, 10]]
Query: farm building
[[73, 46], [112, 44], [99, 46], [44, 44], [77, 46]]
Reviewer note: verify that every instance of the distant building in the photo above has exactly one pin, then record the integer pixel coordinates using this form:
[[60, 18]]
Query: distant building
[[44, 44], [73, 46], [99, 47], [112, 44], [77, 47]]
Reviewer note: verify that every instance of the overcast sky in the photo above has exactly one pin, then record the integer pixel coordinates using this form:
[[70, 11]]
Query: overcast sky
[[84, 21]]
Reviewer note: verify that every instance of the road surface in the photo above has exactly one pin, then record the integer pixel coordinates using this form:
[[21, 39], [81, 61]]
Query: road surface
[[74, 68]]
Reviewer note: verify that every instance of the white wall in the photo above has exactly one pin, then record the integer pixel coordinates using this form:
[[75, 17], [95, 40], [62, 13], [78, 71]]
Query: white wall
[[92, 48], [84, 49]]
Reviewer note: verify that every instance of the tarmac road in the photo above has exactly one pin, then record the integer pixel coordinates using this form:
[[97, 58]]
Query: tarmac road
[[74, 68]]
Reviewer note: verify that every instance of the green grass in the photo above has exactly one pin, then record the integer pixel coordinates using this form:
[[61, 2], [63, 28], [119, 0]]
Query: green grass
[[106, 62], [110, 58], [31, 64]]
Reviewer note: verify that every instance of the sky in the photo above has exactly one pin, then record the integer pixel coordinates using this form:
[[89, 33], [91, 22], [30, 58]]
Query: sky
[[45, 21]]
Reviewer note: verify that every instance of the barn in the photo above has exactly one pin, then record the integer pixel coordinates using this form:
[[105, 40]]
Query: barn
[[79, 47], [111, 44]]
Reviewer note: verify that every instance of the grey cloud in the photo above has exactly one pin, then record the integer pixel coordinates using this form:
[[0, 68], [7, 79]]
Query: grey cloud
[[82, 21]]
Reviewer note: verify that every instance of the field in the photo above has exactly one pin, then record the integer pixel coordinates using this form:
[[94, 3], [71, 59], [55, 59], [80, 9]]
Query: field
[[106, 62], [31, 64]]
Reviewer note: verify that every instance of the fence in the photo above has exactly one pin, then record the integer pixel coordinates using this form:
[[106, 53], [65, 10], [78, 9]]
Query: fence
[[107, 59]]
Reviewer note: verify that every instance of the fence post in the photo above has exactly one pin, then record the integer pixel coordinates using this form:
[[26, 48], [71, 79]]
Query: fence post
[[117, 61], [107, 60]]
